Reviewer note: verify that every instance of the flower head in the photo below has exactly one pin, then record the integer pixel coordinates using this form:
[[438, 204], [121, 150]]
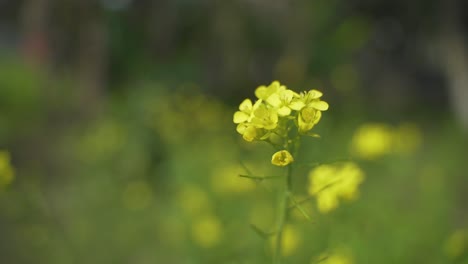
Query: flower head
[[277, 112]]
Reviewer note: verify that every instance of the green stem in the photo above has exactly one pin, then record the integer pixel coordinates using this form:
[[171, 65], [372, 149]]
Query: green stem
[[283, 214]]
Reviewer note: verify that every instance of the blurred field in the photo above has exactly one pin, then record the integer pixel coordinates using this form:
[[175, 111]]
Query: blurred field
[[141, 164]]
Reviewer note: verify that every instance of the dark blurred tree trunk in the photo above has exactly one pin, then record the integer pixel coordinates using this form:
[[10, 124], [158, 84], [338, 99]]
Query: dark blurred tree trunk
[[92, 56], [34, 42], [454, 57]]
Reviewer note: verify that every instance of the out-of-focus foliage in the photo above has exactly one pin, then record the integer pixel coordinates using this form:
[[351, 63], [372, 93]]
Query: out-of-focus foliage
[[117, 145]]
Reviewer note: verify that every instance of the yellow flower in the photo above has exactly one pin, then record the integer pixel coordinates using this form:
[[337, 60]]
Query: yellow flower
[[264, 117], [373, 140], [283, 102], [312, 99], [207, 231], [282, 158], [308, 117], [246, 110], [6, 170], [248, 131], [331, 182], [264, 92]]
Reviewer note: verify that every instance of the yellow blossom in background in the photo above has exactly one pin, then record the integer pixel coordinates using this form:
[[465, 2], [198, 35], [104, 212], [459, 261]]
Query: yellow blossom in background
[[331, 182], [334, 258], [226, 180], [371, 141], [457, 244], [193, 200], [290, 242], [6, 170], [282, 158], [206, 231]]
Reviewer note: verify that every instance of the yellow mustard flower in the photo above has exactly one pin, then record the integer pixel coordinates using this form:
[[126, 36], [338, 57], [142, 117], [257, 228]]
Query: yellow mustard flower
[[284, 103], [264, 92], [331, 182], [312, 99], [207, 231], [248, 131], [6, 170], [308, 117], [245, 112], [264, 117], [372, 140], [282, 158]]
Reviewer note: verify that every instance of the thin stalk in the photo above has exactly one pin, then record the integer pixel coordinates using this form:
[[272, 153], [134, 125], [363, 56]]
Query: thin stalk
[[283, 217]]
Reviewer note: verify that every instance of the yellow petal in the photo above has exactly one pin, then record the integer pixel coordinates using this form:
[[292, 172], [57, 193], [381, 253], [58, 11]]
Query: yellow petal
[[240, 117], [261, 92], [296, 105], [284, 111], [246, 105], [274, 100], [315, 94], [319, 105]]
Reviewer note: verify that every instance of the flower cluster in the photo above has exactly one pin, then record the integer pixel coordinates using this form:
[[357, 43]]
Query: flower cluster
[[331, 182], [270, 118]]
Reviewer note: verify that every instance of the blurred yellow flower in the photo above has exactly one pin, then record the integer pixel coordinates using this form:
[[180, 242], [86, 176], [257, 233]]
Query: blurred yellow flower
[[331, 182], [207, 231], [282, 158], [457, 244], [6, 170], [193, 200], [291, 239], [334, 258], [371, 141]]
